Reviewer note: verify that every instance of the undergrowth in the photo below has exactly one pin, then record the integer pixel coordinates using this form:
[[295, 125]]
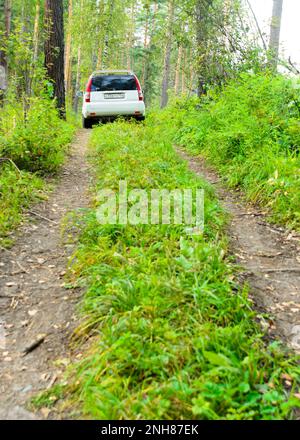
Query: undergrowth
[[250, 131], [171, 333], [17, 191], [36, 143]]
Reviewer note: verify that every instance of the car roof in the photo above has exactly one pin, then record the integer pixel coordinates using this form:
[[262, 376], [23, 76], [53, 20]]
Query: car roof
[[112, 72]]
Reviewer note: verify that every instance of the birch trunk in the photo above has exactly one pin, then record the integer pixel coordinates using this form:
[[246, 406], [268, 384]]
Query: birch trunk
[[78, 70], [36, 32], [183, 85], [275, 33], [78, 80], [178, 67], [130, 41], [146, 44], [100, 12], [201, 14], [107, 32], [167, 61]]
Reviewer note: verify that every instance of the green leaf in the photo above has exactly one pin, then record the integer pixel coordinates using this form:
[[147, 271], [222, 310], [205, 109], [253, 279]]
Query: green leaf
[[219, 360]]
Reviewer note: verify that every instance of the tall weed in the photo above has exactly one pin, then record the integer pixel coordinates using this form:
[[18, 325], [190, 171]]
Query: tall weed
[[250, 131]]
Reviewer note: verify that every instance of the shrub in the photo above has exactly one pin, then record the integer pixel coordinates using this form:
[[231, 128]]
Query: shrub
[[17, 191], [38, 143], [250, 132]]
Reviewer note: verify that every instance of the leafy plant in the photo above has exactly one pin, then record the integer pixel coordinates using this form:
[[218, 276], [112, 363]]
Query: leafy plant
[[17, 191], [38, 143], [250, 131]]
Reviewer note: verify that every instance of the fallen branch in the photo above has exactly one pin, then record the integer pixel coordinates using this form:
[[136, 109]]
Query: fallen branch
[[42, 217], [250, 214], [287, 270], [34, 345], [22, 268], [268, 255]]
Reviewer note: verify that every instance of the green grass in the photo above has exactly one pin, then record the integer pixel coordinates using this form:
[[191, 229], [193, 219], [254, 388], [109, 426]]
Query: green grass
[[37, 145], [167, 331], [17, 191], [250, 131]]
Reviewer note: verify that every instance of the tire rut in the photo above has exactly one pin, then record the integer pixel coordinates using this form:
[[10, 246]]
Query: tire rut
[[269, 255], [35, 308]]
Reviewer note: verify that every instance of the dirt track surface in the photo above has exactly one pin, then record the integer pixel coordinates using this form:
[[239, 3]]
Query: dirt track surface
[[269, 255], [35, 308]]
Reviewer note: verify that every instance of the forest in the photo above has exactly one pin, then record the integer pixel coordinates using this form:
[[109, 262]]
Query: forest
[[145, 321]]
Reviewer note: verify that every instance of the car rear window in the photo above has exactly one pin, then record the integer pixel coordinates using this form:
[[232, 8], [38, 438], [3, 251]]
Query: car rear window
[[111, 83]]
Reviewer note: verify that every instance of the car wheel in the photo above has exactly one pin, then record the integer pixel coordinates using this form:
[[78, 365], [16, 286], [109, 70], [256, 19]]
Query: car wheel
[[86, 123], [140, 118]]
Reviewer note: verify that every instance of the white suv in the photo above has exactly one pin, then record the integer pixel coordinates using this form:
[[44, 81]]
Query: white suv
[[110, 94]]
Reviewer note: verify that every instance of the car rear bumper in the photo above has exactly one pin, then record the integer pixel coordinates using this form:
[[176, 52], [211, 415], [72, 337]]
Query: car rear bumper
[[99, 109]]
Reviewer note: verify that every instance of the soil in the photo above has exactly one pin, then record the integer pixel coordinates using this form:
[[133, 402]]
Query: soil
[[37, 314], [269, 256]]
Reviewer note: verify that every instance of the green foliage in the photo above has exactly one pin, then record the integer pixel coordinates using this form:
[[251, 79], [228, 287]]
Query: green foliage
[[250, 131], [35, 144], [173, 335], [38, 143], [17, 191]]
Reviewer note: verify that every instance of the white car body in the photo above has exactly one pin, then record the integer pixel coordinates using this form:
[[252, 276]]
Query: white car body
[[110, 94]]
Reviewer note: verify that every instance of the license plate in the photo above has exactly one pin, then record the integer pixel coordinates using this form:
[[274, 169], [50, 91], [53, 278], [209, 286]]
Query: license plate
[[114, 95]]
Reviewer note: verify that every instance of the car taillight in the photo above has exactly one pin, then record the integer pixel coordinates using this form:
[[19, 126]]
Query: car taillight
[[141, 96], [88, 91], [139, 89]]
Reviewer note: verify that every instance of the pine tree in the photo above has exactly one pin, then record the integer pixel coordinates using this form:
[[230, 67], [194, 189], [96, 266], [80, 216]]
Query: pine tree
[[54, 50]]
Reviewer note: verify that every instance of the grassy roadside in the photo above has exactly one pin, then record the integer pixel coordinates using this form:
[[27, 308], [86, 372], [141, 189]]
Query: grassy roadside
[[18, 190], [250, 131], [171, 334], [36, 148]]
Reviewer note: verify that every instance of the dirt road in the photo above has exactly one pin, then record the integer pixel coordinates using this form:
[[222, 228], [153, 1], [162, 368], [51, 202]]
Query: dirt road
[[34, 306], [269, 255]]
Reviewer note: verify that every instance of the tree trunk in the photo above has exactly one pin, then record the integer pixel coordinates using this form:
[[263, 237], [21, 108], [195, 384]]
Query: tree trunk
[[107, 32], [200, 42], [68, 77], [54, 50], [6, 6], [167, 61], [78, 79], [178, 67], [183, 81], [146, 43], [201, 15], [130, 40], [275, 33], [36, 32], [99, 57], [100, 33], [148, 79]]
